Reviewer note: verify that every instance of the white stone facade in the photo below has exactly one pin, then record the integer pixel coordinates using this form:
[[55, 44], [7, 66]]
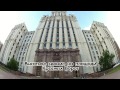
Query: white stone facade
[[104, 39], [93, 48], [13, 43], [59, 31], [21, 58]]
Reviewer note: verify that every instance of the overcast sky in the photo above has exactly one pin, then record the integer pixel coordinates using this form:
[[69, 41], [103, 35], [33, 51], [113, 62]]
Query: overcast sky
[[8, 19]]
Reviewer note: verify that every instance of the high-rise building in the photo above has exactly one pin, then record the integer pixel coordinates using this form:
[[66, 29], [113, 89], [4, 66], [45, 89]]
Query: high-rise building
[[104, 39], [58, 38], [59, 32], [12, 44]]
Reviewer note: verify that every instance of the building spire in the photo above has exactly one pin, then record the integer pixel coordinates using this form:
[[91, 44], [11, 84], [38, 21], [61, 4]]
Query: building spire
[[58, 13]]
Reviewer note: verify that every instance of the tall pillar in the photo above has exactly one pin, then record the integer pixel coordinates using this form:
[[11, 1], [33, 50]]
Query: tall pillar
[[60, 35], [65, 34], [43, 36], [54, 35], [71, 35], [49, 35]]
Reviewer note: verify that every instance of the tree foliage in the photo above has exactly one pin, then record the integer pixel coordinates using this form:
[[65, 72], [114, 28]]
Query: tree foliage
[[106, 60], [13, 64]]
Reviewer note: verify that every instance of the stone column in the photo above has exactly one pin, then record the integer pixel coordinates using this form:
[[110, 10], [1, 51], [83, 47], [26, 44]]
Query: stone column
[[65, 34], [54, 35], [71, 35], [44, 34], [49, 35], [60, 35]]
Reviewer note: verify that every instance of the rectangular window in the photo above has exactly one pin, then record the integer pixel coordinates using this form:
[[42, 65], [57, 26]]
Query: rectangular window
[[94, 57], [88, 39], [106, 47], [104, 42], [102, 38], [15, 51], [10, 53], [91, 47], [8, 59], [50, 45], [22, 58], [90, 43], [98, 57], [96, 52], [95, 48]]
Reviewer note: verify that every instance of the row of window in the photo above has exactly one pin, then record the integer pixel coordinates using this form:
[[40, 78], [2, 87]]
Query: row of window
[[28, 36], [22, 58], [89, 39], [94, 47], [25, 41], [96, 57], [24, 48], [91, 43], [87, 32], [102, 40], [17, 36], [106, 32], [57, 34], [94, 52], [58, 13], [88, 36], [21, 53]]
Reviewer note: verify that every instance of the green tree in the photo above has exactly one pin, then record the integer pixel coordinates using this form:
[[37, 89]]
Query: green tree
[[106, 60], [13, 64]]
